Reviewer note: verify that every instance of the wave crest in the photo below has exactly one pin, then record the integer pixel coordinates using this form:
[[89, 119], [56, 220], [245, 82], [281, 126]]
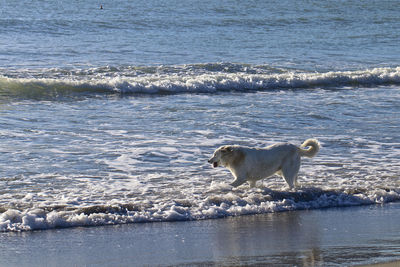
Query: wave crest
[[200, 78]]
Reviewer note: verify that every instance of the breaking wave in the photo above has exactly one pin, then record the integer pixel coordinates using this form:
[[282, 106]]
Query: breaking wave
[[220, 202], [196, 78]]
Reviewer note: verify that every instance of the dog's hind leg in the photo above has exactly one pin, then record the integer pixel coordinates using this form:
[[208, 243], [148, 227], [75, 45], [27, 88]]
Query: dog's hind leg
[[290, 169], [289, 178], [252, 184], [295, 184]]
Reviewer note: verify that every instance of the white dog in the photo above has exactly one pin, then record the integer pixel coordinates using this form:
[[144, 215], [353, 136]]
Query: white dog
[[252, 164]]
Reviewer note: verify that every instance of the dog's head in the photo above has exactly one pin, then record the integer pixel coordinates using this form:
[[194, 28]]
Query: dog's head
[[221, 156]]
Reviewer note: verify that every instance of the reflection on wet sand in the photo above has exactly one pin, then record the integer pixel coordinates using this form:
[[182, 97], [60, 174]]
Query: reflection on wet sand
[[272, 238], [309, 238]]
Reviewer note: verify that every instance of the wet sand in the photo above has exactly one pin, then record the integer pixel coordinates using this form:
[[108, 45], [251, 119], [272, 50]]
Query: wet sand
[[386, 264], [327, 237]]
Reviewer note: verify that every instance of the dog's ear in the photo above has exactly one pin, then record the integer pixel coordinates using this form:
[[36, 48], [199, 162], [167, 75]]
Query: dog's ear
[[227, 149]]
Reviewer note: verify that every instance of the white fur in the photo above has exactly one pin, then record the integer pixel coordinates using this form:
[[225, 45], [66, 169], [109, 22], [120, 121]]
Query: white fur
[[252, 164]]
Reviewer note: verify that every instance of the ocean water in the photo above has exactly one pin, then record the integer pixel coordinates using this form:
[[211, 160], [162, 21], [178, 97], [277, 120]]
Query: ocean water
[[109, 116]]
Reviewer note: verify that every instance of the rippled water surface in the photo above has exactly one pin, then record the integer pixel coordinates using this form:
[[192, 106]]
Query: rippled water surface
[[144, 158]]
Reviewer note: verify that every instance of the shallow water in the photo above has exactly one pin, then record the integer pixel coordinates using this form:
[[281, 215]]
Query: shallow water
[[109, 116]]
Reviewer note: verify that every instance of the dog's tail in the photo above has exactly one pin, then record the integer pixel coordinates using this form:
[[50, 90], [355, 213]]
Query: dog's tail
[[313, 148]]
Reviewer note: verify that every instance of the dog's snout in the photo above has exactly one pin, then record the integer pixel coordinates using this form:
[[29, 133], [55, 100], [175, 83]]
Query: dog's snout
[[214, 161]]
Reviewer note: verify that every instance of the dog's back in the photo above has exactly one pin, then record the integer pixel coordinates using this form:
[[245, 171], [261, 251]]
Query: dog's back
[[259, 163]]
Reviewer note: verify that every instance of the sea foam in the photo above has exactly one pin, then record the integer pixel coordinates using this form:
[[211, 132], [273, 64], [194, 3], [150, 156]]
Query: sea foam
[[233, 203]]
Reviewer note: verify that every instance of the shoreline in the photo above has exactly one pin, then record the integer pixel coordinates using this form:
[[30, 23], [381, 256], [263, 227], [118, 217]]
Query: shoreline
[[383, 264], [352, 236]]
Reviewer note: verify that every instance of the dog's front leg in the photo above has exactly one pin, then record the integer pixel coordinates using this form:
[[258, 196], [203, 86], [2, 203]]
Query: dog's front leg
[[238, 182]]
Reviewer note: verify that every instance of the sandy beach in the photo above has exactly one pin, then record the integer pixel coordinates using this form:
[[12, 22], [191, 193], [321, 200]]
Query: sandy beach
[[328, 237]]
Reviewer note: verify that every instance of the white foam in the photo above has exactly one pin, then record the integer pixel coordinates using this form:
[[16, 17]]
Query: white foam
[[216, 205]]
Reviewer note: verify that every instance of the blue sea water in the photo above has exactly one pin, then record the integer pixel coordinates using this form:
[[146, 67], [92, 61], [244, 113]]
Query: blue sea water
[[109, 115], [311, 35]]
